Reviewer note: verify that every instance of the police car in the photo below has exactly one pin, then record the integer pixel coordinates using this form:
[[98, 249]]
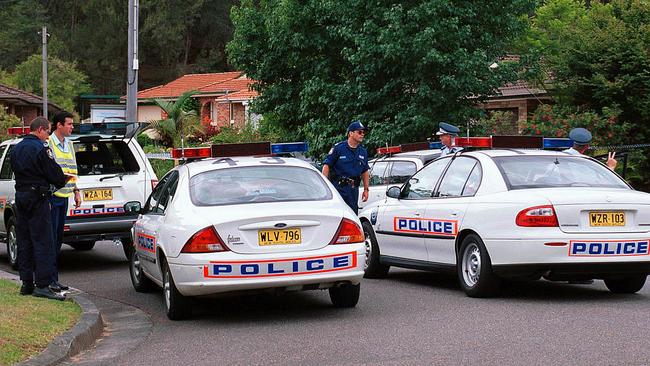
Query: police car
[[515, 213], [245, 223], [112, 169]]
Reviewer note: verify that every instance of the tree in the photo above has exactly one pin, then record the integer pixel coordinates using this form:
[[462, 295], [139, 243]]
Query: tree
[[400, 67], [21, 21], [182, 120], [65, 82]]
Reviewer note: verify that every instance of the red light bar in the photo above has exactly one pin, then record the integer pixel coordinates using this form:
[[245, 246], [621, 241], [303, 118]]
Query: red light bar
[[389, 150], [243, 149], [192, 152], [474, 141], [415, 146], [18, 130]]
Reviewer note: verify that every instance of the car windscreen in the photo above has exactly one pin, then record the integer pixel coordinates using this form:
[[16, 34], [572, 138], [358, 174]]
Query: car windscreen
[[521, 172], [105, 157], [257, 184]]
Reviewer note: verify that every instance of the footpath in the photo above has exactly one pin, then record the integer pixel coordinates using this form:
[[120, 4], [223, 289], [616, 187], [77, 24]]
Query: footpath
[[105, 331]]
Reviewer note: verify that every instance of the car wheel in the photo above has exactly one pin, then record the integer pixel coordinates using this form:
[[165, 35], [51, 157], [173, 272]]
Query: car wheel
[[83, 245], [141, 283], [12, 243], [127, 246], [372, 267], [627, 285], [345, 296], [475, 268], [178, 306]]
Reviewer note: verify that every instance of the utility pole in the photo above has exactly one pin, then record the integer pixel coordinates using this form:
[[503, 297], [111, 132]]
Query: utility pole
[[132, 68], [44, 37]]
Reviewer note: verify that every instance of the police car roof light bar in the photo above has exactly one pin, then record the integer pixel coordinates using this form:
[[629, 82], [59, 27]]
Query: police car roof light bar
[[473, 142], [191, 152], [389, 150], [289, 147], [557, 143], [18, 130]]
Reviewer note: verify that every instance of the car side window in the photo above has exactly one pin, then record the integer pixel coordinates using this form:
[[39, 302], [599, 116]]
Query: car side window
[[474, 181], [456, 176], [5, 171], [378, 173], [422, 184], [401, 171], [167, 193], [153, 199]]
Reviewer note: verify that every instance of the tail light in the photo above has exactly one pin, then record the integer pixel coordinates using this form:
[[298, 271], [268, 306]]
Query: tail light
[[348, 232], [205, 241], [154, 183], [538, 216]]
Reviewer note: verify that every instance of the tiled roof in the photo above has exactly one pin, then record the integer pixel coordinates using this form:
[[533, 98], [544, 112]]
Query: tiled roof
[[8, 92], [519, 88], [237, 96], [186, 83], [232, 85]]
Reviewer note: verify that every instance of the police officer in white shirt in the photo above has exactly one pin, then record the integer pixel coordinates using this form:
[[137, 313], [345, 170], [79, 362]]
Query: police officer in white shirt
[[447, 134], [581, 138]]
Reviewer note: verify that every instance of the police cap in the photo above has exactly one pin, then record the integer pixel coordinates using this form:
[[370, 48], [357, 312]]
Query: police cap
[[447, 129], [580, 136], [356, 126]]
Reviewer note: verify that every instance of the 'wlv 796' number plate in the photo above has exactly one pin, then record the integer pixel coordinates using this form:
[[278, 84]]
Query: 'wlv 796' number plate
[[279, 237]]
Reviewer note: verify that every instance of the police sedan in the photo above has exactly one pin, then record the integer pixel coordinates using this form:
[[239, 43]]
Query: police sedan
[[246, 224], [497, 214]]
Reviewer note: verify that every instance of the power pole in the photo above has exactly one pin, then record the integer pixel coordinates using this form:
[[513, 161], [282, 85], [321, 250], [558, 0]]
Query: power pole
[[44, 37], [132, 68]]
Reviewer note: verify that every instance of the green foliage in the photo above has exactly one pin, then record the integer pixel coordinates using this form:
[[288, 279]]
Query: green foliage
[[7, 120], [496, 123], [65, 81], [265, 132], [180, 123], [398, 67], [161, 166]]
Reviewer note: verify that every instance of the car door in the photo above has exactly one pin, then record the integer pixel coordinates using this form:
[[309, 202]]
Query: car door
[[147, 227], [447, 209], [7, 183], [377, 186], [399, 225]]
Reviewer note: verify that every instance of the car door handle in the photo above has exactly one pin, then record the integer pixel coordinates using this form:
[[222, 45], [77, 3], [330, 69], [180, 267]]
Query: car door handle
[[416, 214], [454, 214]]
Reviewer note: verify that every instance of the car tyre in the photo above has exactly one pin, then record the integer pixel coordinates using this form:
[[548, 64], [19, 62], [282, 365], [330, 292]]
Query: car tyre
[[127, 246], [475, 268], [83, 245], [12, 243], [178, 306], [141, 283], [626, 285], [373, 268], [345, 296]]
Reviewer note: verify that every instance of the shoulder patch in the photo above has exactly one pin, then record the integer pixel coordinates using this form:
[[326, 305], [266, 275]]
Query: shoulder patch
[[331, 151], [49, 153]]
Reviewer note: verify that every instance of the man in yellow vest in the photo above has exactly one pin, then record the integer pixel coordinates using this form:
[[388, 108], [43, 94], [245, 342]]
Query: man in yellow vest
[[64, 155]]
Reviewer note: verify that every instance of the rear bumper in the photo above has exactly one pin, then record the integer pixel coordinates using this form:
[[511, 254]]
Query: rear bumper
[[99, 228]]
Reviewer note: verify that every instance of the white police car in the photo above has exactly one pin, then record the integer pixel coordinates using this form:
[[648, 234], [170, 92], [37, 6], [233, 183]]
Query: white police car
[[497, 214], [245, 223], [112, 169]]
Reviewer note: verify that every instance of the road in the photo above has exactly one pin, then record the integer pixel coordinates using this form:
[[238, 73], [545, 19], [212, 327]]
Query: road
[[410, 318]]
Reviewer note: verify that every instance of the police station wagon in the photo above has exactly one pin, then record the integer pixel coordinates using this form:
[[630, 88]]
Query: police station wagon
[[113, 170]]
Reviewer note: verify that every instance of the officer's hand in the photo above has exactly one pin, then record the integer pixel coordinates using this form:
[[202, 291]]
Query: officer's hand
[[77, 199], [611, 162], [364, 196]]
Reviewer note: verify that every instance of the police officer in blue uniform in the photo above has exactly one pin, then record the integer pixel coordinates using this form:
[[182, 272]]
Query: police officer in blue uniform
[[35, 170], [447, 133], [581, 139], [347, 164]]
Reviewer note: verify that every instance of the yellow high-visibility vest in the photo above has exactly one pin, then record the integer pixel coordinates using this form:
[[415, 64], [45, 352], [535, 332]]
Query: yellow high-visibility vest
[[68, 164]]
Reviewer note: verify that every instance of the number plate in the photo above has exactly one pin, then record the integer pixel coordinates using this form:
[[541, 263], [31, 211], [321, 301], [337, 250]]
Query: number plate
[[614, 218], [98, 194], [279, 237]]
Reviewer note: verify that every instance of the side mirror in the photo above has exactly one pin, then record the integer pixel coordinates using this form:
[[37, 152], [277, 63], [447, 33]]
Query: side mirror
[[133, 207], [393, 192]]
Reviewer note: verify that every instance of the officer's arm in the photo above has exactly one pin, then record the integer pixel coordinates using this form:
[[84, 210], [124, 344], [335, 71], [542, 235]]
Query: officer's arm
[[51, 170], [326, 171], [330, 160]]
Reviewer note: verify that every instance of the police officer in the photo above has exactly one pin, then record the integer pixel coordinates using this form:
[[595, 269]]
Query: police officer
[[448, 133], [35, 170], [581, 138], [347, 164]]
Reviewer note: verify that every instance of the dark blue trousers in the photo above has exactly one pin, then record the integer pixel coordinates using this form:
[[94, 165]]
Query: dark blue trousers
[[350, 195], [36, 258], [59, 210]]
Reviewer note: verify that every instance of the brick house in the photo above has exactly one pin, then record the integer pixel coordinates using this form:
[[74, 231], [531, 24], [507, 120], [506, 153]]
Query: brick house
[[224, 98], [520, 98], [24, 105]]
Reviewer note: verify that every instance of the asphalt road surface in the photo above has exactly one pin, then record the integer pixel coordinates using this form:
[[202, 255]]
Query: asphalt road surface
[[410, 318]]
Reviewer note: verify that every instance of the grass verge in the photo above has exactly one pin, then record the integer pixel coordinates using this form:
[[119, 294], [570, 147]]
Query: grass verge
[[28, 324]]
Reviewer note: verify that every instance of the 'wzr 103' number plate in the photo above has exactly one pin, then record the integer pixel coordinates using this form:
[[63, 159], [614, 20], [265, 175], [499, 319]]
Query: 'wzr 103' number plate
[[279, 237], [614, 218]]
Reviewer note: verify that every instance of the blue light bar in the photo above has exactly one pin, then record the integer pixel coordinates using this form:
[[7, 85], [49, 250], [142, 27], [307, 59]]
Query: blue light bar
[[435, 145], [289, 147], [557, 143]]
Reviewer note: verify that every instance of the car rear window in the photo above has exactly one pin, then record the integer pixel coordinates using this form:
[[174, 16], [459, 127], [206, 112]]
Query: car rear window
[[521, 172], [105, 157], [257, 184]]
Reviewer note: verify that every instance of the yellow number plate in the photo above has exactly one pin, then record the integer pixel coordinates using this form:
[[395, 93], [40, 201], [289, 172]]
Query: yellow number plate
[[98, 194], [279, 237], [607, 218]]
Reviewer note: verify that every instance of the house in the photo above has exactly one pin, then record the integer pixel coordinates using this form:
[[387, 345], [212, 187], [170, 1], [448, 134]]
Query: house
[[25, 105], [520, 98], [224, 98]]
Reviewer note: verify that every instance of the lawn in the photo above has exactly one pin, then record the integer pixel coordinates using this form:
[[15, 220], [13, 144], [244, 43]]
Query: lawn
[[28, 324]]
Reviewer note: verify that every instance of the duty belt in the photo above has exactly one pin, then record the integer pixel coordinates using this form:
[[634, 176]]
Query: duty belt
[[345, 181], [41, 190]]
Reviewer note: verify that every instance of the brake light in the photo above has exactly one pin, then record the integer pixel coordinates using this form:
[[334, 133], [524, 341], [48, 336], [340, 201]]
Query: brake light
[[154, 183], [538, 216], [348, 232], [205, 241]]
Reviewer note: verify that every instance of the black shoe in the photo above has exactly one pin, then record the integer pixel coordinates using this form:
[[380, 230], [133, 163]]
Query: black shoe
[[55, 287], [47, 293], [62, 287], [26, 288]]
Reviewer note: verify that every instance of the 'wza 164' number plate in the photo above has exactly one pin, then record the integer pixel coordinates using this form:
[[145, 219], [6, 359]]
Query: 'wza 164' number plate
[[614, 218], [279, 237], [98, 194]]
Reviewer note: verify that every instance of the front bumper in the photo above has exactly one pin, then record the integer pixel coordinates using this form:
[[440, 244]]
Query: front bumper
[[214, 273]]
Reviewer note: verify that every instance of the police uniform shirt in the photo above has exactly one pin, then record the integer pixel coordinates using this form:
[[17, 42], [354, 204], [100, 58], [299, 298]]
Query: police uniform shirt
[[572, 151], [444, 150], [347, 162], [34, 166]]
